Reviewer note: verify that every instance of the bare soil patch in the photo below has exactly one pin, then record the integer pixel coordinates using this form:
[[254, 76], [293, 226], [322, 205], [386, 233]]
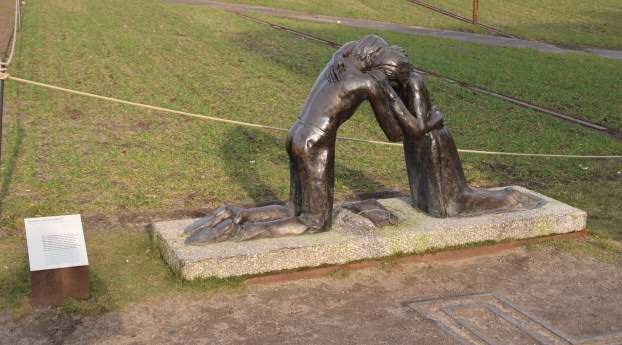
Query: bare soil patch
[[576, 295]]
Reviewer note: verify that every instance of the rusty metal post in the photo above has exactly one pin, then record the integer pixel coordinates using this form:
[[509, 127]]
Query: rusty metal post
[[475, 11]]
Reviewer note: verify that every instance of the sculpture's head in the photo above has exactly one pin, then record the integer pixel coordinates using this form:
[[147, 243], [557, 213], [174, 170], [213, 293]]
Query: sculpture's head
[[376, 54], [371, 53], [394, 63]]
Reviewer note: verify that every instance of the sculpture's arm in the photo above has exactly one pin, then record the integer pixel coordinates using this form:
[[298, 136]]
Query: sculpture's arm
[[388, 123], [418, 96], [388, 105]]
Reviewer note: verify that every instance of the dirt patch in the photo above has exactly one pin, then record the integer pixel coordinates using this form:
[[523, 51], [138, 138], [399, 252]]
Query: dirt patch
[[58, 327], [45, 326], [575, 295], [144, 125], [73, 113]]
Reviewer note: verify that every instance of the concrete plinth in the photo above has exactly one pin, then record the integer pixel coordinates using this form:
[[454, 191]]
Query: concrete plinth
[[416, 233]]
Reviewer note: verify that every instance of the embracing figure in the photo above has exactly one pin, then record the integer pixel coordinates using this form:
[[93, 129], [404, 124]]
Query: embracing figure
[[364, 70]]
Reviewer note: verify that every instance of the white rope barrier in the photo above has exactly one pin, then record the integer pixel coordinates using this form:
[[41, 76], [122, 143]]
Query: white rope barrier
[[254, 125]]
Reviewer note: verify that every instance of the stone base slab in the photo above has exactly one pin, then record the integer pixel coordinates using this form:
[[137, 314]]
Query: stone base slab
[[416, 233]]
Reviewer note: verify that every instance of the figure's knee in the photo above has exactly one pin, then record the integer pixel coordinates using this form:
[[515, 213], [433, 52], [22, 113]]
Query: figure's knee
[[316, 222], [305, 142], [301, 148]]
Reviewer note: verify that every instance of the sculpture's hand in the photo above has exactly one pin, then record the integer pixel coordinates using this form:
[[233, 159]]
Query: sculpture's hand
[[435, 121]]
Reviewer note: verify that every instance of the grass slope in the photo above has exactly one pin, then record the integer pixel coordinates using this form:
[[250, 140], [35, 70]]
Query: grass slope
[[395, 11], [566, 22], [586, 86]]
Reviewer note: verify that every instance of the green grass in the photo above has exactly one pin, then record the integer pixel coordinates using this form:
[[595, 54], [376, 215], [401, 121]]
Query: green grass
[[602, 249], [600, 197], [565, 22], [66, 154], [80, 155], [124, 267], [555, 80], [395, 11]]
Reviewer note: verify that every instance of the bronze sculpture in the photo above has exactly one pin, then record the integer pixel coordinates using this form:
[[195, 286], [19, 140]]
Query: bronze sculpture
[[364, 70]]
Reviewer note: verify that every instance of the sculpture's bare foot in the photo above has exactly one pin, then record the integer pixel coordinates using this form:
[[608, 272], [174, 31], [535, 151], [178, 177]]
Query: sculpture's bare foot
[[476, 201], [230, 230], [215, 217], [223, 231]]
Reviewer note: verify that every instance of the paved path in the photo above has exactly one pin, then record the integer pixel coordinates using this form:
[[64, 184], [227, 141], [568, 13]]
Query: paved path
[[414, 30], [541, 296]]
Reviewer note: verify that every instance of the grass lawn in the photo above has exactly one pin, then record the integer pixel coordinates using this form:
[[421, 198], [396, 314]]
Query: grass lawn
[[67, 154], [565, 22], [554, 80], [394, 11]]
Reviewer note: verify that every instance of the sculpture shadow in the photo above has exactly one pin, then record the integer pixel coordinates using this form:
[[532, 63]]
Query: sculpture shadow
[[243, 151], [361, 184], [260, 44]]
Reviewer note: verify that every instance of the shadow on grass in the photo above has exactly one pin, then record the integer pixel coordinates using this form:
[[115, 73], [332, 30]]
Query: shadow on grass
[[10, 162], [16, 291], [99, 302], [243, 150], [15, 286], [357, 181], [605, 228], [265, 44]]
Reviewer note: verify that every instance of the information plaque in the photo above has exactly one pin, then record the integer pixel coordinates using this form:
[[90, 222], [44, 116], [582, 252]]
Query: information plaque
[[55, 242], [58, 262]]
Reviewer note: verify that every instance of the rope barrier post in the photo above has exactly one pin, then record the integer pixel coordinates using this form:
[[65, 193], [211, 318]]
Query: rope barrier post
[[18, 3], [475, 11]]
